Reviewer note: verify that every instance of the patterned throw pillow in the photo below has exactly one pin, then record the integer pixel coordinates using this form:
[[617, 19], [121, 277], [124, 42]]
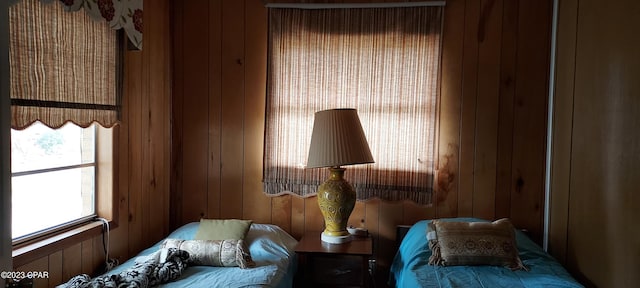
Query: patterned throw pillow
[[473, 243], [221, 253]]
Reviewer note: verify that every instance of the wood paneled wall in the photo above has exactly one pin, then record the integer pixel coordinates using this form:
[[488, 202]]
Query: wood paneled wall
[[492, 140], [142, 148], [596, 152]]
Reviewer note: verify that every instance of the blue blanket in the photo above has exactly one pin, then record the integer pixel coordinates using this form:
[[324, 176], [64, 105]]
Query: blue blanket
[[410, 266], [271, 248]]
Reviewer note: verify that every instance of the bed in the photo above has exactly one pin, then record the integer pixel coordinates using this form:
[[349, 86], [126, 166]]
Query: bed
[[410, 267], [270, 247]]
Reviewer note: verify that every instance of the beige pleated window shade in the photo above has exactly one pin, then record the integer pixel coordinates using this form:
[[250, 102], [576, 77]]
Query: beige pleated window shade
[[63, 67], [384, 62]]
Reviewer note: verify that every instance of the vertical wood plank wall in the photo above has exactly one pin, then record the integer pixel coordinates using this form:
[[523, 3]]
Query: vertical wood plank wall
[[491, 160], [492, 140], [596, 149], [143, 149]]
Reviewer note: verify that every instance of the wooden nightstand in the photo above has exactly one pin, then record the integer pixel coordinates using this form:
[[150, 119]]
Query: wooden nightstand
[[322, 264]]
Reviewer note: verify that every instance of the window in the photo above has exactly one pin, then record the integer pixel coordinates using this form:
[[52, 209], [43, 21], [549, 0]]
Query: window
[[51, 169], [382, 61], [65, 89]]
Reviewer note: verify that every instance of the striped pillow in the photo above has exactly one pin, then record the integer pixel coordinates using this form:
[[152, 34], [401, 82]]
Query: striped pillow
[[221, 253]]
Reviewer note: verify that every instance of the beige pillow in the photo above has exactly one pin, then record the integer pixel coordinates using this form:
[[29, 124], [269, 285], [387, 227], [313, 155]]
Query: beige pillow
[[220, 253], [222, 229], [474, 243]]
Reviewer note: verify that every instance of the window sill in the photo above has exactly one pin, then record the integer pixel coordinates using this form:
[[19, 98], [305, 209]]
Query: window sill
[[38, 248]]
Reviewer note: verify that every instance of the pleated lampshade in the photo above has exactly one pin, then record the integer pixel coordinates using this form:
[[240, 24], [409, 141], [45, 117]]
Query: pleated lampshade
[[338, 139]]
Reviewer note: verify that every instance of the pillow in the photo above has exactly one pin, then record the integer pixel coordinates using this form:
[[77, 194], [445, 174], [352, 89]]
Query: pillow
[[222, 229], [473, 243], [220, 253]]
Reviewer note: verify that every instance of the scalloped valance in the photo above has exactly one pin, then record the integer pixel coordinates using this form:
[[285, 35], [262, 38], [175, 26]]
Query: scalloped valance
[[64, 67], [125, 14]]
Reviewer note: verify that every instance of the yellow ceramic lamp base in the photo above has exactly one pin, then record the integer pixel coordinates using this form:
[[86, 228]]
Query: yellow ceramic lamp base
[[336, 199]]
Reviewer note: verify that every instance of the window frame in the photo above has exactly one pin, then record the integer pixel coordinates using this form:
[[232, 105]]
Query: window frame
[[5, 143], [106, 206], [64, 225]]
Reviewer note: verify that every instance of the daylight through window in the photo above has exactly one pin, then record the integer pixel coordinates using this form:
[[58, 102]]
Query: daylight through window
[[53, 177], [384, 62]]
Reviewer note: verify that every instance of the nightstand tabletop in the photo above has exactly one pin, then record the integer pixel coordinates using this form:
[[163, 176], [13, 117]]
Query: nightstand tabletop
[[311, 243]]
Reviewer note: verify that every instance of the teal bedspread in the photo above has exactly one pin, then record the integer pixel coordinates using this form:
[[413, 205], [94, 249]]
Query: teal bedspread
[[410, 267], [271, 248]]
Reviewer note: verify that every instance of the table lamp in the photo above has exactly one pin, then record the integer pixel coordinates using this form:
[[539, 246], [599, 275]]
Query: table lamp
[[337, 140]]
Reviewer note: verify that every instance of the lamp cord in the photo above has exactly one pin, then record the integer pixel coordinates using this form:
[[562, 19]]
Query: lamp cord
[[109, 263]]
